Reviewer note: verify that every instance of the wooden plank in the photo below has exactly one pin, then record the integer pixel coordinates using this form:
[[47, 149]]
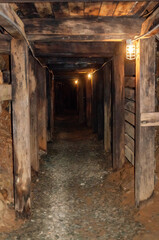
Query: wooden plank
[[107, 106], [92, 9], [33, 115], [130, 82], [21, 125], [11, 22], [129, 155], [123, 9], [130, 130], [130, 105], [41, 105], [44, 9], [5, 92], [61, 10], [130, 117], [118, 108], [76, 9], [145, 97], [110, 27], [107, 9], [130, 93], [129, 142], [150, 119], [80, 49]]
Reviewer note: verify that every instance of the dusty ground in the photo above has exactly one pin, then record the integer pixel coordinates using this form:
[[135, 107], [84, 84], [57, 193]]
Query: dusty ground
[[77, 196]]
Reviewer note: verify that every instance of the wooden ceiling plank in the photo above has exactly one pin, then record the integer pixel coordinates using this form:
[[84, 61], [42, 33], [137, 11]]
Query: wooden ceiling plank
[[61, 10], [44, 9], [107, 9], [92, 9], [76, 9], [123, 9], [27, 10], [137, 8]]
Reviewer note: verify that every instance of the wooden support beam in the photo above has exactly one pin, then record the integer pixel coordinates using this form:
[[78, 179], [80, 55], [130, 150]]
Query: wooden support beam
[[118, 108], [107, 73], [33, 115], [100, 104], [42, 107], [110, 28], [150, 119], [21, 125], [5, 92], [88, 101], [10, 21], [80, 49], [50, 104], [94, 103], [145, 98], [81, 102]]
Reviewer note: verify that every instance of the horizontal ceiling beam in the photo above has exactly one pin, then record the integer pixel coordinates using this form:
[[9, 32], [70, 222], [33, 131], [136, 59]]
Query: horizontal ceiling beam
[[73, 67], [104, 29], [72, 60], [82, 49]]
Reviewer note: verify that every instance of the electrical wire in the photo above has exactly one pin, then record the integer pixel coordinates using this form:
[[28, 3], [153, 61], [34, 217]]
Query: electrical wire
[[101, 66]]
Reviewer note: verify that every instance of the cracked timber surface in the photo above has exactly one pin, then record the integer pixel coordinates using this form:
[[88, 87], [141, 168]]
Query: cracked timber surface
[[72, 199]]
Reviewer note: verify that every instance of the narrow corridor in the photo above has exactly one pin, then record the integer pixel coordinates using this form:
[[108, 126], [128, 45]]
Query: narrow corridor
[[72, 199]]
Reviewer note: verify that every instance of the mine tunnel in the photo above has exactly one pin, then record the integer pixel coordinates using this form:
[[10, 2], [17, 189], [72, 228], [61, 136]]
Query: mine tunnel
[[79, 136]]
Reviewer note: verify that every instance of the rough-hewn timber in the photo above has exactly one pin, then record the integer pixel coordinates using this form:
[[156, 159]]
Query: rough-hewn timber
[[21, 125]]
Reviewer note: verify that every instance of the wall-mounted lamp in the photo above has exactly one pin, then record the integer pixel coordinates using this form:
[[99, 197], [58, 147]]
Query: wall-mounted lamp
[[130, 50], [89, 76]]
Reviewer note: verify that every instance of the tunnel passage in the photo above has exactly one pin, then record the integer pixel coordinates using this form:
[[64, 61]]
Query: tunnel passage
[[65, 57]]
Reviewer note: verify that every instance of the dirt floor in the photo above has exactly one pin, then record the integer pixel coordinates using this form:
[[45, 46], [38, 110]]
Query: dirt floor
[[77, 196]]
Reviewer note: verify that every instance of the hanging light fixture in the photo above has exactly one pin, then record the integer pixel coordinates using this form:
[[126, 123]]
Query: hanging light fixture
[[130, 50]]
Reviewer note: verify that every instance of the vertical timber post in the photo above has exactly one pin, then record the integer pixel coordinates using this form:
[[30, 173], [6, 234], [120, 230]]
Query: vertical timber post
[[52, 105], [100, 105], [21, 125], [145, 99], [88, 101], [81, 101], [94, 104], [107, 107], [42, 107], [33, 116], [118, 108]]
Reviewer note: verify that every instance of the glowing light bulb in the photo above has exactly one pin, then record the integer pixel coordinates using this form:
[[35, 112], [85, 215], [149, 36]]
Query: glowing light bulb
[[76, 82], [89, 76], [130, 50]]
